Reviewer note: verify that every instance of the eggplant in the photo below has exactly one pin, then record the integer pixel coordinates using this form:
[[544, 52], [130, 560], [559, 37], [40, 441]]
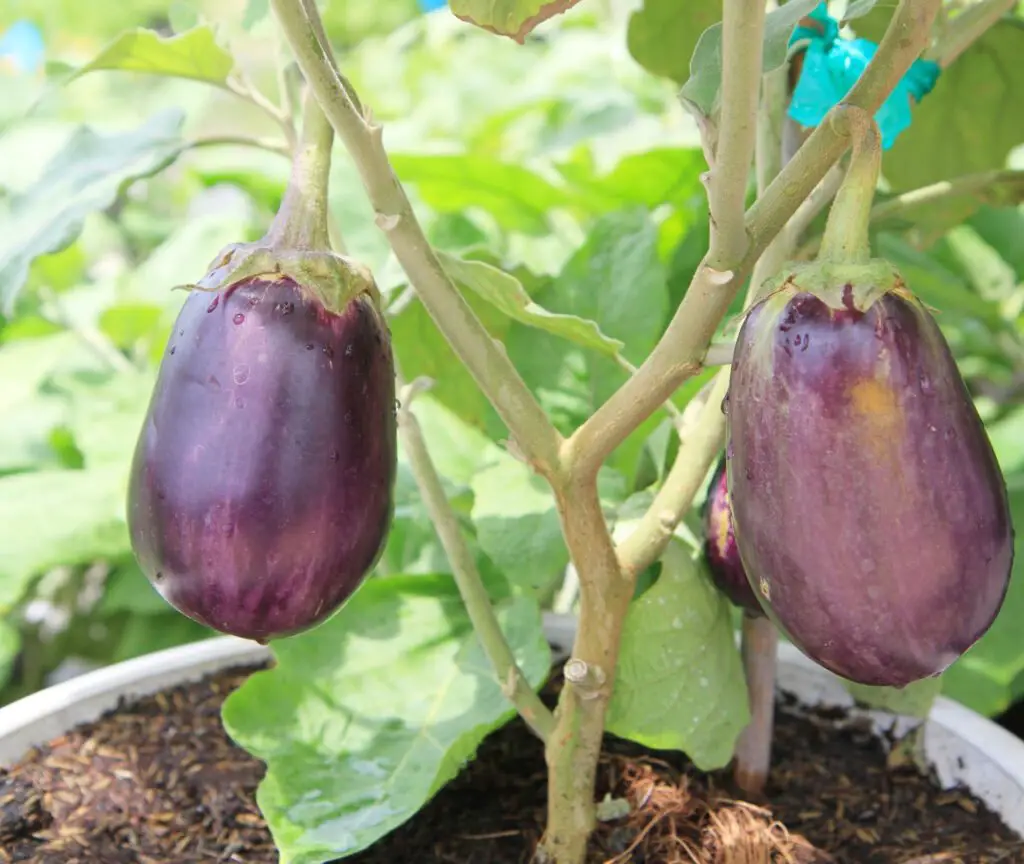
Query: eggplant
[[261, 489], [720, 549], [866, 494]]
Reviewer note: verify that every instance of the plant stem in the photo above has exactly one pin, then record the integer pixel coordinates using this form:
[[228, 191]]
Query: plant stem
[[486, 361], [279, 147], [975, 185], [677, 354], [575, 744], [966, 28], [846, 231], [485, 623], [742, 51], [759, 644], [301, 220], [697, 449]]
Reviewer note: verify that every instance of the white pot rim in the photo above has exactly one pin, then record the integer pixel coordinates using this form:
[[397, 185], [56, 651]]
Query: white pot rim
[[962, 746]]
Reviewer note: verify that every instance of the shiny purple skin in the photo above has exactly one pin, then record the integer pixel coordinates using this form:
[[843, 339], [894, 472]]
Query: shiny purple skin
[[867, 498], [720, 549], [261, 489]]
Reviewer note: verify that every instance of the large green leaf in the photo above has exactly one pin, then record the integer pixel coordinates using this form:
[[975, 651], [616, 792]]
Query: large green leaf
[[517, 523], [990, 676], [366, 717], [420, 349], [969, 111], [88, 174], [506, 293], [663, 33], [680, 683], [53, 517], [513, 18], [518, 198], [616, 278], [194, 54]]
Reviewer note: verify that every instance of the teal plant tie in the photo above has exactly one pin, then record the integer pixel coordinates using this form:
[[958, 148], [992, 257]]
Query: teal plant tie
[[831, 67]]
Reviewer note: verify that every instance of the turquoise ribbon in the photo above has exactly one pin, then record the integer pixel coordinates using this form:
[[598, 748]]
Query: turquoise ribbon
[[832, 66]]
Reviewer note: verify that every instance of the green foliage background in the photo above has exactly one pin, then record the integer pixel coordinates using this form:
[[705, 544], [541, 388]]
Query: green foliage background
[[561, 181]]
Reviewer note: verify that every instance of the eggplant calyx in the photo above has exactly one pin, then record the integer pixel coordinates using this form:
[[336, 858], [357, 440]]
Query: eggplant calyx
[[333, 280]]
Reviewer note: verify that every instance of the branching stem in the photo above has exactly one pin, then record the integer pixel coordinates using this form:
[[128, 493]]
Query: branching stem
[[485, 623]]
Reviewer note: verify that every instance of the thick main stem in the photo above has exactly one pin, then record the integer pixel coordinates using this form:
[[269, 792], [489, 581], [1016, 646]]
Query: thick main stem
[[301, 220], [467, 577], [575, 744], [489, 365]]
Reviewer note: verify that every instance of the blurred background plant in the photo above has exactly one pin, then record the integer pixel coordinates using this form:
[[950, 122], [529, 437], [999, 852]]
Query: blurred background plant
[[568, 162]]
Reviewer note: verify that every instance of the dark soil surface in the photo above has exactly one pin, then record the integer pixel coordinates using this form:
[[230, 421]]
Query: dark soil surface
[[159, 781]]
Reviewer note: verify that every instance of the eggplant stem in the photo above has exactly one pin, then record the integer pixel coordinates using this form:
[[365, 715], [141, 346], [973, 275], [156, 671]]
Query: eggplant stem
[[301, 221], [846, 239]]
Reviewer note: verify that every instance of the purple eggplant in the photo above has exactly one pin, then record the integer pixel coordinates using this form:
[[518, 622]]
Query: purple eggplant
[[865, 491], [261, 491], [720, 549]]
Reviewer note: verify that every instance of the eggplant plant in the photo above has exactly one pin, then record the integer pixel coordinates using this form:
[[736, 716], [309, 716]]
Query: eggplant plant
[[850, 497]]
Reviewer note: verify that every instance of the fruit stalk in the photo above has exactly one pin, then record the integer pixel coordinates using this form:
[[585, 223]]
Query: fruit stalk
[[532, 431], [510, 677], [301, 220], [846, 230]]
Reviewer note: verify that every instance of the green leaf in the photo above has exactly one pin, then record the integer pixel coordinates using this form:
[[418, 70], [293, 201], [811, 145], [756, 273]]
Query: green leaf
[[513, 18], [701, 89], [516, 197], [10, 645], [194, 54], [680, 683], [366, 717], [506, 293], [652, 178], [517, 523], [86, 175], [914, 700], [58, 517], [662, 34], [420, 349], [616, 279], [968, 112]]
